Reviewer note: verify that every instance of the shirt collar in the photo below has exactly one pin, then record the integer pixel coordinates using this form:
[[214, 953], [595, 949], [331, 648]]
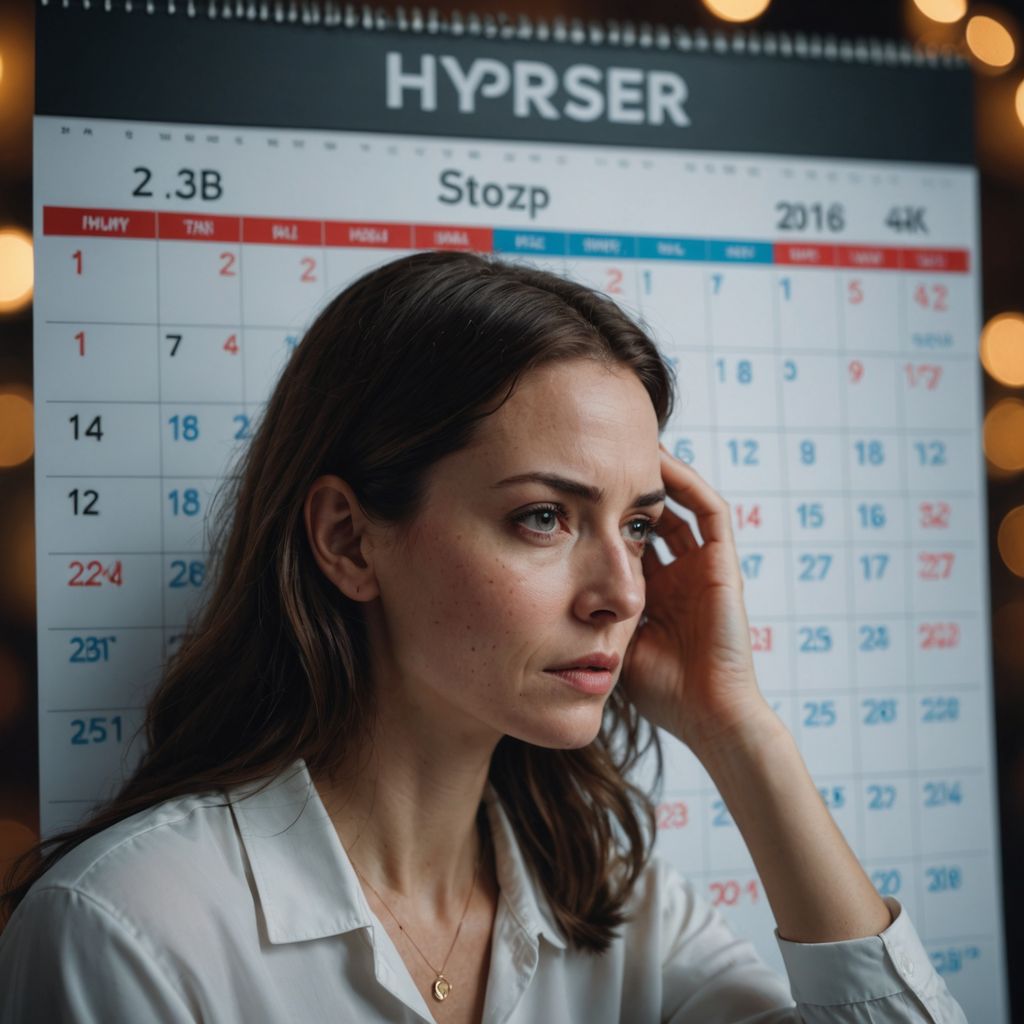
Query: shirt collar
[[307, 886]]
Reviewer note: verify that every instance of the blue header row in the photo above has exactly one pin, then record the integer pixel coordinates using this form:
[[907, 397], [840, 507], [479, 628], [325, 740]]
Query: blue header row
[[566, 243]]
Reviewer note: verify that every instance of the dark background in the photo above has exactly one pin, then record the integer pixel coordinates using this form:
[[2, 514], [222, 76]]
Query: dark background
[[999, 141]]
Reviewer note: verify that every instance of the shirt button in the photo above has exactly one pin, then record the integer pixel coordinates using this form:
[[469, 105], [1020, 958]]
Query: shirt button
[[906, 964]]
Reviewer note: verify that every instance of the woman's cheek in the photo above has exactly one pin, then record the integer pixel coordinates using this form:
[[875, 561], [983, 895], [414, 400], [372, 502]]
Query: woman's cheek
[[487, 581], [507, 593]]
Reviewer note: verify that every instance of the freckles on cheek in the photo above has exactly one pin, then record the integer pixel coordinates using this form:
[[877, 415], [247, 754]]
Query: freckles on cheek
[[492, 596], [459, 587]]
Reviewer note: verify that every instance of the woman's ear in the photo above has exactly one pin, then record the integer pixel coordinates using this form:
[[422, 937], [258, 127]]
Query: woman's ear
[[336, 527]]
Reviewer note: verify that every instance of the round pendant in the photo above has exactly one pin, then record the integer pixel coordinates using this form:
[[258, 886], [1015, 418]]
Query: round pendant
[[442, 988]]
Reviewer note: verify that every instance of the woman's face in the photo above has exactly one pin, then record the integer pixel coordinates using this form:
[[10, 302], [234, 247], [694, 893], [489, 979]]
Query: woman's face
[[525, 559]]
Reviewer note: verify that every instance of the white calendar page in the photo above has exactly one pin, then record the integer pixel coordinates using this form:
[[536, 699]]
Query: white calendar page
[[821, 316]]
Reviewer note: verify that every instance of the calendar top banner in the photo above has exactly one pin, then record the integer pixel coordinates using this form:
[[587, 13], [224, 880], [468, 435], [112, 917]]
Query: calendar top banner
[[109, 64]]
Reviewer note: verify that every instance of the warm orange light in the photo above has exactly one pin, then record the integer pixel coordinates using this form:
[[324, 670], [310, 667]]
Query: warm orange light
[[737, 10], [15, 269], [1002, 348], [990, 41], [1010, 540], [1019, 101], [1004, 434], [16, 441], [946, 11]]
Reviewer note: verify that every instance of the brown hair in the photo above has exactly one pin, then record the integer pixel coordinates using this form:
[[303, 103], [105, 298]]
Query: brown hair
[[393, 374]]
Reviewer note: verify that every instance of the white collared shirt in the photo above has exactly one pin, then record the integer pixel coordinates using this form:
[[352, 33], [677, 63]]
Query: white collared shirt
[[252, 913]]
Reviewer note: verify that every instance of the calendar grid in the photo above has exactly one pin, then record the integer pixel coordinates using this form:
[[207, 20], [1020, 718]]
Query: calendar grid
[[824, 385]]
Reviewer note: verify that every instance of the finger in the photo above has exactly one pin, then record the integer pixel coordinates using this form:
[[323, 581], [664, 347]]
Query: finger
[[676, 532], [686, 486]]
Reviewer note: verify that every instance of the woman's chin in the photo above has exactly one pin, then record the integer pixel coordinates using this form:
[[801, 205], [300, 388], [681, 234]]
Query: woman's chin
[[563, 730]]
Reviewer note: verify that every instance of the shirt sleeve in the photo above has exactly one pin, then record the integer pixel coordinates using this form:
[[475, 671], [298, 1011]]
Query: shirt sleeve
[[711, 976], [886, 977], [65, 958]]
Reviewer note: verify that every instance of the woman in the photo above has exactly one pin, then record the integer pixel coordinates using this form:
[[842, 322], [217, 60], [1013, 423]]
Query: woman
[[435, 623]]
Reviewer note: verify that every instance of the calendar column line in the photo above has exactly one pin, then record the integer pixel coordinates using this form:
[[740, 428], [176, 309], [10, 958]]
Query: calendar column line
[[792, 691], [787, 539], [851, 597], [791, 593], [708, 788], [920, 912], [241, 312], [160, 448], [709, 327]]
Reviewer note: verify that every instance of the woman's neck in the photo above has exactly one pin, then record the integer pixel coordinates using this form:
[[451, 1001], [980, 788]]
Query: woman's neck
[[405, 808]]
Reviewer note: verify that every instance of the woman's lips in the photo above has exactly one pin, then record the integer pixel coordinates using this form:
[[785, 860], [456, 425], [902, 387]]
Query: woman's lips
[[586, 680], [593, 660]]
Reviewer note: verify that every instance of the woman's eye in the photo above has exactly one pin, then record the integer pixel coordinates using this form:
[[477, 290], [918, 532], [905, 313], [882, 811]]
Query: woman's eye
[[545, 519], [640, 529], [540, 520]]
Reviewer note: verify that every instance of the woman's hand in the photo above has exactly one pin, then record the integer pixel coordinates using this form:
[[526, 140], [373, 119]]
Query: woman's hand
[[689, 667]]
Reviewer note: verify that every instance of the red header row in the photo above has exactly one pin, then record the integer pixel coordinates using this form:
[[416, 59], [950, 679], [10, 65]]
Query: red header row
[[866, 257], [67, 220], [73, 221]]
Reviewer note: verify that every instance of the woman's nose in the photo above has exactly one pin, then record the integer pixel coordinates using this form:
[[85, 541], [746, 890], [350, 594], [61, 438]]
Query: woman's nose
[[611, 580]]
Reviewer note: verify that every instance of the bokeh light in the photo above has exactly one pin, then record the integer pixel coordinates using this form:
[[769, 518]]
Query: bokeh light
[[946, 11], [990, 41], [15, 269], [1002, 348], [1004, 434], [16, 437], [1010, 540], [737, 10], [1019, 101]]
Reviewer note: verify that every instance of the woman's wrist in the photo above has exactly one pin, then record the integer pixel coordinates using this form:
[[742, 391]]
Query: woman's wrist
[[736, 736]]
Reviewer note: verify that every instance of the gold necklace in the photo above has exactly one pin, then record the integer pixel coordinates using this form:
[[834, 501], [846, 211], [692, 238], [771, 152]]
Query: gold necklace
[[442, 987]]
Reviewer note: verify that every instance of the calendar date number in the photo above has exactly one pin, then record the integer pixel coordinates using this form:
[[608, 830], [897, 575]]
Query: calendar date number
[[94, 574], [202, 183], [732, 892], [96, 730]]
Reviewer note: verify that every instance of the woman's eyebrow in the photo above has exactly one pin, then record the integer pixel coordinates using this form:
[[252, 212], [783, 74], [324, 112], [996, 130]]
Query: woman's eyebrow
[[581, 490]]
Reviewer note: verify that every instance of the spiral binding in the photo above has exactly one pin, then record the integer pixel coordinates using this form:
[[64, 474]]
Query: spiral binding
[[626, 34]]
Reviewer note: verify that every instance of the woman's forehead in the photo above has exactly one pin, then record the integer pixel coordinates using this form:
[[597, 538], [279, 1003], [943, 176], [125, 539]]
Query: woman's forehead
[[576, 399], [576, 416]]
